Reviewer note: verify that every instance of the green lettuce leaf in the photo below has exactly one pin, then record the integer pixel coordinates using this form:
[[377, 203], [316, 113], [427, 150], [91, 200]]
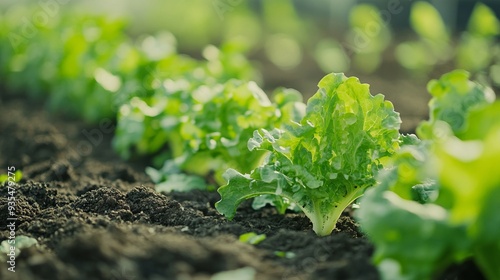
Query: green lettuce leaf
[[206, 128], [454, 95], [438, 204], [413, 238], [326, 161], [470, 185]]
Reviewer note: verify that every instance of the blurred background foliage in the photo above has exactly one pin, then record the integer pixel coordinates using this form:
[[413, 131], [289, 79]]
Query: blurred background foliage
[[289, 39], [155, 66]]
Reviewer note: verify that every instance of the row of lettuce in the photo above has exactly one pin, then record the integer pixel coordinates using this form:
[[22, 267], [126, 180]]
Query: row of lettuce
[[295, 35], [431, 200], [86, 65], [434, 198], [476, 49], [436, 202], [370, 37]]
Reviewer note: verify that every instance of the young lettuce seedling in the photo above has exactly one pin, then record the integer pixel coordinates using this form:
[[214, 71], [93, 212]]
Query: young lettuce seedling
[[326, 161]]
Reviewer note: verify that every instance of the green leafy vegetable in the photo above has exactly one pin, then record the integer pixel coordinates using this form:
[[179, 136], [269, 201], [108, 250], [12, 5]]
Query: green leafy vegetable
[[195, 116], [252, 238], [476, 50], [438, 203], [454, 95], [326, 161], [427, 22], [281, 204], [432, 47], [170, 178], [483, 21], [85, 66], [18, 175], [412, 239], [367, 56], [205, 128]]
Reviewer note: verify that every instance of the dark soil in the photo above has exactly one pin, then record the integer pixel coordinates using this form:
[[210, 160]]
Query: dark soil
[[97, 217]]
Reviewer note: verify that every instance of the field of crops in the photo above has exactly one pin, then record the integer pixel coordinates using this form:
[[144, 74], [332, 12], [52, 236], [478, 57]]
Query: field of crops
[[249, 140]]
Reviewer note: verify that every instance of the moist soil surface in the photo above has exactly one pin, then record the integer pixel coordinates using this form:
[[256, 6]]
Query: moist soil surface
[[96, 216]]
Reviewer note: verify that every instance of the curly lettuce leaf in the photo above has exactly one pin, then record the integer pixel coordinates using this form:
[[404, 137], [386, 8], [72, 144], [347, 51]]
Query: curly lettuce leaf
[[206, 127], [470, 183], [218, 129], [438, 205], [454, 95], [146, 125], [412, 238], [326, 161]]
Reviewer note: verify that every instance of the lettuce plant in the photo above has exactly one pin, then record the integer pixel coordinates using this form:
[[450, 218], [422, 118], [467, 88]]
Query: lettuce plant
[[324, 162], [437, 204], [205, 128], [482, 28], [454, 95], [194, 115], [87, 67]]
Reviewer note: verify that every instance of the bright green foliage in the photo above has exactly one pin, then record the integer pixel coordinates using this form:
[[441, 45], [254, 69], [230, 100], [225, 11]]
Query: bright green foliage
[[412, 239], [427, 22], [85, 65], [281, 204], [326, 161], [414, 56], [476, 49], [170, 178], [470, 179], [140, 128], [475, 53], [252, 238], [18, 175], [368, 42], [438, 204], [454, 95], [87, 75], [433, 46], [77, 64], [166, 104], [205, 128], [331, 56], [229, 62], [483, 21]]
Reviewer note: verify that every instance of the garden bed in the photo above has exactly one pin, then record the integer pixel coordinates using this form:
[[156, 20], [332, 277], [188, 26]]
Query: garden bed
[[85, 208], [97, 217]]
